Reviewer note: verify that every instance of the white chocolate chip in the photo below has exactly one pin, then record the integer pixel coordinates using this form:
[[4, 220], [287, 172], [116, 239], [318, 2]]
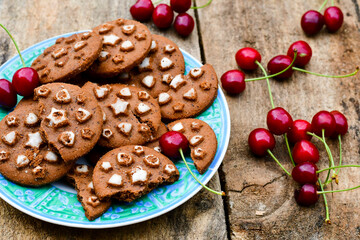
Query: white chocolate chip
[[196, 73], [125, 92], [148, 81], [199, 153], [22, 161], [125, 128], [191, 94], [103, 56], [142, 108], [119, 107], [166, 63], [12, 121], [152, 161], [178, 127], [67, 138], [102, 92], [107, 133], [62, 96], [10, 138], [164, 98], [169, 169], [127, 46], [91, 185], [158, 149], [51, 156], [82, 115], [4, 155], [34, 141], [82, 168], [31, 119], [196, 140], [128, 29], [79, 45], [115, 180], [177, 82], [57, 118], [138, 150], [153, 46], [138, 175], [59, 53], [124, 159], [93, 201], [169, 48], [145, 65], [166, 78], [142, 95], [106, 166], [111, 40]]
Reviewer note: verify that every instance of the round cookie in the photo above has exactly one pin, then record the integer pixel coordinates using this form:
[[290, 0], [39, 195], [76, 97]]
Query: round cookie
[[72, 119], [129, 172], [68, 57], [125, 44], [202, 140], [189, 95], [131, 115], [25, 157], [80, 177], [161, 65]]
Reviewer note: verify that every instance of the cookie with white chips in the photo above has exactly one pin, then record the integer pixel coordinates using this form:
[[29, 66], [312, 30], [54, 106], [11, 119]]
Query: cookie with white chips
[[160, 66], [72, 119], [131, 115], [202, 141], [25, 156], [189, 95], [129, 172], [68, 57], [80, 177], [125, 45]]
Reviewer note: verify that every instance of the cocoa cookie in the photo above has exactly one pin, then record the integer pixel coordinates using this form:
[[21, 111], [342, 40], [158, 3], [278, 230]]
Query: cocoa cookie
[[125, 45], [68, 57], [25, 157], [154, 143], [80, 177], [189, 95], [202, 140], [160, 66], [129, 172], [130, 114], [72, 119]]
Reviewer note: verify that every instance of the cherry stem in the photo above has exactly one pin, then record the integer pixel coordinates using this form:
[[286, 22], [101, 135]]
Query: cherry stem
[[156, 2], [275, 74], [332, 164], [327, 219], [340, 190], [336, 167], [205, 5], [327, 151], [187, 166], [324, 75], [340, 154], [323, 5], [277, 161], [289, 150], [16, 46], [332, 3], [268, 83]]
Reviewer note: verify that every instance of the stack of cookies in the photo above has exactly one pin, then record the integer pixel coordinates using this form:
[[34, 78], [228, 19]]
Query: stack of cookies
[[106, 95]]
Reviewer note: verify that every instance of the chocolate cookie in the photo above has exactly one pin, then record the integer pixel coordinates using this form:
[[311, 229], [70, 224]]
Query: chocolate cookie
[[131, 115], [125, 45], [189, 95], [202, 139], [25, 157], [81, 178], [154, 143], [129, 172], [72, 119], [68, 57], [161, 65]]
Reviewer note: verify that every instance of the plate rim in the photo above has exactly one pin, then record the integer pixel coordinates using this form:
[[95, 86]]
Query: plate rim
[[166, 210]]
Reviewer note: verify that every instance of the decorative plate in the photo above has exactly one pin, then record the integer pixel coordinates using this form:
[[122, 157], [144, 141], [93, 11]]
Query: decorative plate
[[57, 203]]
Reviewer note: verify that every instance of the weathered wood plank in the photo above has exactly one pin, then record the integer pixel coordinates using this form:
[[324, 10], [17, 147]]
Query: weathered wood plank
[[33, 21], [257, 184]]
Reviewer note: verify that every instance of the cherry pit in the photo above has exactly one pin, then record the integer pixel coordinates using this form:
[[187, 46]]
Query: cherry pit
[[163, 15]]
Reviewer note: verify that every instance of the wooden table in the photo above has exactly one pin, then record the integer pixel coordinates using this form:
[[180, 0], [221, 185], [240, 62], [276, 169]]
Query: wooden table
[[251, 184]]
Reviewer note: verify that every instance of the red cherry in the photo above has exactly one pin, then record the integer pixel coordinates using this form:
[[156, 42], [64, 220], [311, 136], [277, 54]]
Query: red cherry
[[142, 10], [323, 120], [279, 63], [305, 173], [233, 81], [340, 122], [279, 121], [25, 80], [171, 142], [163, 16], [184, 24], [180, 6], [298, 131], [246, 58], [307, 195], [312, 22], [8, 97], [305, 151], [304, 53], [334, 18], [260, 140]]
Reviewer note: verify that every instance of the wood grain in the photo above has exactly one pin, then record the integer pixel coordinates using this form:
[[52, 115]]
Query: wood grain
[[257, 184], [32, 21]]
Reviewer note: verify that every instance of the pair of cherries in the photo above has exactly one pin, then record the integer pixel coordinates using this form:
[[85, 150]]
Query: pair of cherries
[[163, 14], [305, 154], [313, 21], [24, 81]]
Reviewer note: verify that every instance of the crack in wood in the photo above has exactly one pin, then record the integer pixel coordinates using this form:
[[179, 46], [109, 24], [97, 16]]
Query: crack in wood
[[357, 9], [257, 185]]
